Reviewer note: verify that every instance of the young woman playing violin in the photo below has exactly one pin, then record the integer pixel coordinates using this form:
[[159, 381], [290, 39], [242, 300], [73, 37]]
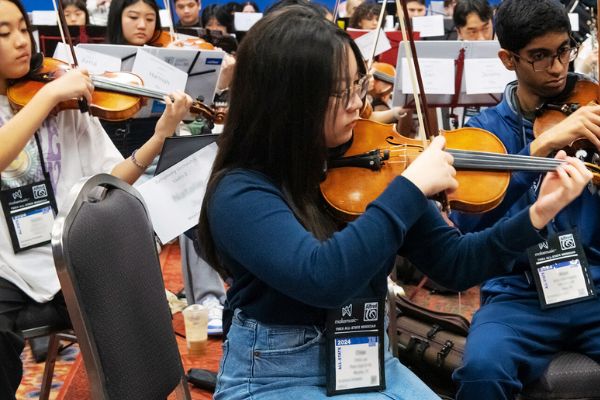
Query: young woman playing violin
[[296, 96], [536, 43], [51, 152]]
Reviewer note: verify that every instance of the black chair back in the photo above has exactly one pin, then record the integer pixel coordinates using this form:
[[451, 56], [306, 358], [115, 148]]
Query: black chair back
[[110, 274]]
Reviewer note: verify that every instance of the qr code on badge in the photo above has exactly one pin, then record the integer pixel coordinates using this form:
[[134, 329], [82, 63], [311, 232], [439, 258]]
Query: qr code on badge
[[371, 311], [567, 241], [39, 191]]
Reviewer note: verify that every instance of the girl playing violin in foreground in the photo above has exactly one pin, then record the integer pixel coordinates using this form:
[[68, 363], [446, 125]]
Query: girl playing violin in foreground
[[296, 95], [54, 151]]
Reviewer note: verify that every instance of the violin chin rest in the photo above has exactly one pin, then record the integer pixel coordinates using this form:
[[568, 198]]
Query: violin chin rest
[[37, 60]]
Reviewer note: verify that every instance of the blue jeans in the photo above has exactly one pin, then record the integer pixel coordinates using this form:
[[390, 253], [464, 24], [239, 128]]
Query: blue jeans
[[263, 361]]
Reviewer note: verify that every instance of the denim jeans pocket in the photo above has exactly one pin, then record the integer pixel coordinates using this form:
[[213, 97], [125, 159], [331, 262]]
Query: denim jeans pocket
[[292, 353]]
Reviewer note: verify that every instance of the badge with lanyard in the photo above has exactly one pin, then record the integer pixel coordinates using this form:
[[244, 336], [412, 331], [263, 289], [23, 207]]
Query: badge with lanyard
[[560, 270], [355, 360], [29, 211]]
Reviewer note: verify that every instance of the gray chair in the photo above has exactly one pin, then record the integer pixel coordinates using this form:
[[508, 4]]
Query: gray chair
[[108, 267], [570, 376]]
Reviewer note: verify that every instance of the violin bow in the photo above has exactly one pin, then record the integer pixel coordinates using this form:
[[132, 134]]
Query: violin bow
[[336, 9], [171, 18], [64, 32], [379, 25], [425, 128]]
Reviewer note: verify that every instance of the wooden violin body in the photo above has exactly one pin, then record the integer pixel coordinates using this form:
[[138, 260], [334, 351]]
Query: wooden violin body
[[117, 95], [348, 190], [105, 105], [166, 40], [583, 93]]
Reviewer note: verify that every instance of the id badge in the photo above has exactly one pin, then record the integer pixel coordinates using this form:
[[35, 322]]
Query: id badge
[[560, 270], [29, 211], [355, 360]]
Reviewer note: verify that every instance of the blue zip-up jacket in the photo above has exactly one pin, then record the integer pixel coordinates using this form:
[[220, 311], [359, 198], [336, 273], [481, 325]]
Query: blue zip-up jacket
[[583, 214]]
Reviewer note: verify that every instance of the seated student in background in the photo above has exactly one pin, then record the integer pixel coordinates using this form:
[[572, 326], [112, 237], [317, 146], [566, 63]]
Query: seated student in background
[[56, 150], [188, 12], [473, 20], [133, 22], [250, 7], [76, 12], [216, 18], [365, 16], [416, 8], [296, 96], [513, 338]]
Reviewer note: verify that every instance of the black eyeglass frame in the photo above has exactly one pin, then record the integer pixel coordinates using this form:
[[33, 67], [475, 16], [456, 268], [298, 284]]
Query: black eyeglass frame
[[572, 51]]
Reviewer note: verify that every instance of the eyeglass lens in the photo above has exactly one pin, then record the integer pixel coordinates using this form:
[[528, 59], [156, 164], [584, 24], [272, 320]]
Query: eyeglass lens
[[564, 56]]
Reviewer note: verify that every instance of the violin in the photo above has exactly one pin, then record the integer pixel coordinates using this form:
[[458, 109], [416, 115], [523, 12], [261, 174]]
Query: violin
[[165, 39], [551, 113], [377, 154], [117, 95]]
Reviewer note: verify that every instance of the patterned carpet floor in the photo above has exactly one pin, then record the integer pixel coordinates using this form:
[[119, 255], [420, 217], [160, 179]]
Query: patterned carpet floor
[[69, 371]]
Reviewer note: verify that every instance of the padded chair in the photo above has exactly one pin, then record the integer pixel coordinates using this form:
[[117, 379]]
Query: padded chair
[[108, 267], [569, 376], [38, 320]]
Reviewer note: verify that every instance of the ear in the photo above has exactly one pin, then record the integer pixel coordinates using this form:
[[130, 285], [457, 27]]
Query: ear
[[507, 59], [459, 36]]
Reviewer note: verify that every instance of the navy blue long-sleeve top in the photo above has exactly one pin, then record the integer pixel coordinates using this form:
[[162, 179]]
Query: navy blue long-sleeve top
[[282, 274]]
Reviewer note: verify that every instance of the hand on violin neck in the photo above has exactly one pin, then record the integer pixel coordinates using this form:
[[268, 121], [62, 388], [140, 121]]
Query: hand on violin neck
[[582, 124], [558, 189], [432, 171], [177, 106], [74, 84]]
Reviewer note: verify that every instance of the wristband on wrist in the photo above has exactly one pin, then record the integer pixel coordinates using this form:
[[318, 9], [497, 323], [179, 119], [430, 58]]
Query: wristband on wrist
[[136, 162]]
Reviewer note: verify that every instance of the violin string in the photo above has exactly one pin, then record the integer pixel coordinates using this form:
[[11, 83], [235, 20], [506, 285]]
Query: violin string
[[128, 88], [482, 158]]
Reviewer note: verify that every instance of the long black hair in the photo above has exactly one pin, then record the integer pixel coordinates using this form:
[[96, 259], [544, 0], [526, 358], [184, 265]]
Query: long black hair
[[114, 28], [287, 66]]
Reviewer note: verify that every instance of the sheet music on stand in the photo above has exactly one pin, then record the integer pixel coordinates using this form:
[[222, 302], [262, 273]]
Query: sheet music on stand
[[203, 67], [455, 74]]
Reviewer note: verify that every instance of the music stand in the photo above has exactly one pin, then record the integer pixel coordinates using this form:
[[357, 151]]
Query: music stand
[[394, 37], [458, 51], [125, 52], [49, 35], [202, 67]]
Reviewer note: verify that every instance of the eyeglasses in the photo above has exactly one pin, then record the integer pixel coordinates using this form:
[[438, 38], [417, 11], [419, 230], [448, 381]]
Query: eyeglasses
[[543, 63], [359, 88]]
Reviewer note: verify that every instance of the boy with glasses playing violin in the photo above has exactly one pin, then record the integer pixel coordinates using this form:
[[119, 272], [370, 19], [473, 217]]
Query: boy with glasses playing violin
[[548, 302]]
